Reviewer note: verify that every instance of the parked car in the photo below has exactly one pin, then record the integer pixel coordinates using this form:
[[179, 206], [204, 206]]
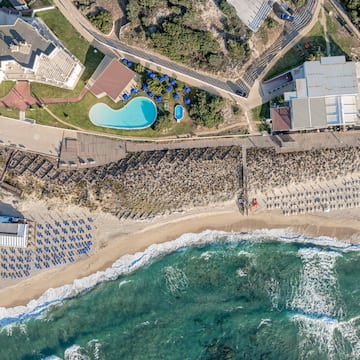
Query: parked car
[[286, 17], [289, 10], [241, 93]]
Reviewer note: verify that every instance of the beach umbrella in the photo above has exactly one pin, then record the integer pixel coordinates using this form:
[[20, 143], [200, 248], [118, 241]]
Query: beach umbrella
[[176, 96], [158, 98], [129, 63], [153, 76], [145, 86], [148, 71], [187, 101], [187, 89], [124, 96], [150, 74], [168, 88], [165, 76], [149, 93], [161, 79], [172, 81], [124, 61]]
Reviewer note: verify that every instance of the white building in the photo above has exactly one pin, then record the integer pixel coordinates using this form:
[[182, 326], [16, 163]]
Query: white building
[[13, 232], [25, 54], [326, 95]]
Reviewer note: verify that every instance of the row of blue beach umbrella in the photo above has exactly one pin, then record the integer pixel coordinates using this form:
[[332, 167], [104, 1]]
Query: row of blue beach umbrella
[[162, 78]]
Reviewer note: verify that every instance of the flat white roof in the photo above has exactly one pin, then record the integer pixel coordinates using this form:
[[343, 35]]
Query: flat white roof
[[331, 76]]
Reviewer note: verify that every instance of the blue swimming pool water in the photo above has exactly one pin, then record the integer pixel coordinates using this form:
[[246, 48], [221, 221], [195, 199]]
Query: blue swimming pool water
[[179, 112], [139, 113]]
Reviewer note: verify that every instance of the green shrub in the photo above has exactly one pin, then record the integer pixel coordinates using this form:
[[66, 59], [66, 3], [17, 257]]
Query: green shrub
[[206, 109], [102, 20]]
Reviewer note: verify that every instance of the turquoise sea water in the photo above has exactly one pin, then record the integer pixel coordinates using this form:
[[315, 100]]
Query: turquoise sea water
[[139, 113], [259, 298]]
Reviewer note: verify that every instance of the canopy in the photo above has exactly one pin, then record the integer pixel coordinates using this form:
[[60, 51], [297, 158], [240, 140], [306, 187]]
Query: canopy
[[176, 96]]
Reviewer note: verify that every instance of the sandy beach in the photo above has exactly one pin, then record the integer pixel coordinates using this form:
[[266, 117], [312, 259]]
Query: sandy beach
[[116, 238]]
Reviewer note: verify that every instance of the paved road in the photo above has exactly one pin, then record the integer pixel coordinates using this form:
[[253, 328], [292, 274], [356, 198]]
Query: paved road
[[257, 68], [110, 45]]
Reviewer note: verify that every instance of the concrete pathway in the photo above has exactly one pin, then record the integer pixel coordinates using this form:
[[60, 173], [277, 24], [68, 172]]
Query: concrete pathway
[[322, 20]]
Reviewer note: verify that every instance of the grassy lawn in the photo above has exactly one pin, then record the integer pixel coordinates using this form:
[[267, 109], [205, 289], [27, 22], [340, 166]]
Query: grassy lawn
[[5, 87], [77, 45], [9, 112], [38, 4], [340, 41], [261, 112], [299, 53], [42, 117], [77, 114]]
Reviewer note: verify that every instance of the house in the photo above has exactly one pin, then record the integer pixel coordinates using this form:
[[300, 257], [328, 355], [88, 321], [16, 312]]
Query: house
[[26, 53], [327, 94], [112, 78]]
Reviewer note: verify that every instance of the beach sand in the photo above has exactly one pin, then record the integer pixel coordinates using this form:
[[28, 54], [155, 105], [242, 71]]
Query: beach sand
[[115, 238]]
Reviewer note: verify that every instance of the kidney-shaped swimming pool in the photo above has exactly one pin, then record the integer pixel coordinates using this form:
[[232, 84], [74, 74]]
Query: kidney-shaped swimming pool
[[139, 113]]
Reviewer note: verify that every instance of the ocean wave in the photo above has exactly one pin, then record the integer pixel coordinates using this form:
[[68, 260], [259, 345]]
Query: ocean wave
[[129, 263], [329, 335]]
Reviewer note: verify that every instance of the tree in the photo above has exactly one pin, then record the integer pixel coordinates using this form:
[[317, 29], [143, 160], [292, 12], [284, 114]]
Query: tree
[[102, 20], [206, 109]]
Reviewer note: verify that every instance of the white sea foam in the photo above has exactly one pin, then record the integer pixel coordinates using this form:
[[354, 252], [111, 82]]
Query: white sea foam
[[272, 288], [317, 290], [129, 263], [206, 255], [176, 279], [95, 348], [338, 340], [264, 322], [124, 282], [75, 353], [241, 272], [245, 253]]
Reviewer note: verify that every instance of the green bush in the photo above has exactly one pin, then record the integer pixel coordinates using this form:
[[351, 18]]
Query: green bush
[[206, 109], [102, 20], [189, 46]]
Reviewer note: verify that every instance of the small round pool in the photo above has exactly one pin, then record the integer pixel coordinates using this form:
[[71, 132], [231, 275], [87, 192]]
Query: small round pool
[[179, 112], [139, 113]]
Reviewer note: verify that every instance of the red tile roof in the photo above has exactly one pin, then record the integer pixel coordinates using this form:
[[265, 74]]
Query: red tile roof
[[281, 118], [112, 80]]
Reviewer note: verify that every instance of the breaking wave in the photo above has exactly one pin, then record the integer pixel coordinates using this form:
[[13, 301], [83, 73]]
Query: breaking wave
[[175, 279]]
